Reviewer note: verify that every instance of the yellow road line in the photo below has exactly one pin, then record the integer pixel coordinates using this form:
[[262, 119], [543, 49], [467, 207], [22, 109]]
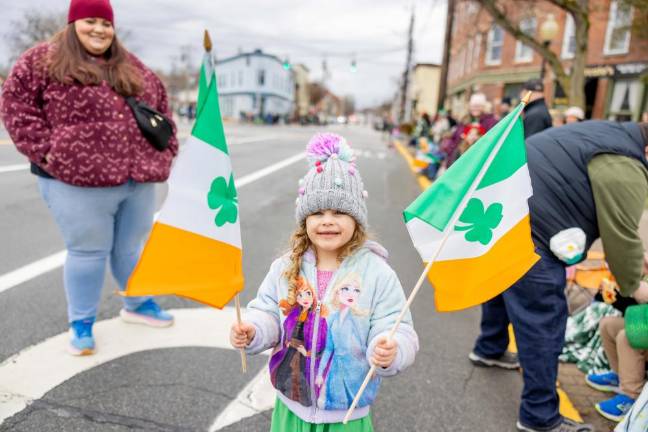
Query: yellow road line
[[5, 141], [423, 181], [567, 408]]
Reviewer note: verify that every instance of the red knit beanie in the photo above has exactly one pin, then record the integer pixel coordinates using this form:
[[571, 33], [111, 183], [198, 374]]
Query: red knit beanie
[[80, 9]]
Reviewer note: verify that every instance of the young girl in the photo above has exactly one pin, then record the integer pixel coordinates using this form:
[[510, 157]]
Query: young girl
[[320, 359]]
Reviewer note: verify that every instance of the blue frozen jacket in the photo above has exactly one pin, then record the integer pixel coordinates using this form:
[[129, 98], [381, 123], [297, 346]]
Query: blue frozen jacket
[[322, 347]]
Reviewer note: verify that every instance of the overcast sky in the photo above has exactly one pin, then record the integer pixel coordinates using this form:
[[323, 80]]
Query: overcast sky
[[305, 31]]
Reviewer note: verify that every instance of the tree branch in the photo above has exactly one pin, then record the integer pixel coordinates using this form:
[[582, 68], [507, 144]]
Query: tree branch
[[501, 19]]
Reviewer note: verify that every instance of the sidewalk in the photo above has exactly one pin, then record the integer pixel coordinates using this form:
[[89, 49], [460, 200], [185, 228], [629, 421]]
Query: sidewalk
[[577, 398], [583, 397]]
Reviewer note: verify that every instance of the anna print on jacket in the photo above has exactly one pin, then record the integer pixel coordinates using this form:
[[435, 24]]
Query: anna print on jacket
[[290, 365], [343, 362]]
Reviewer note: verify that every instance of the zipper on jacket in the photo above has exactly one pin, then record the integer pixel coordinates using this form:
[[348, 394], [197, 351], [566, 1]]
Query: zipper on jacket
[[316, 331], [314, 354]]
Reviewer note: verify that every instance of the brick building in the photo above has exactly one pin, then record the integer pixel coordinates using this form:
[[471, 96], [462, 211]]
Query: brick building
[[486, 58]]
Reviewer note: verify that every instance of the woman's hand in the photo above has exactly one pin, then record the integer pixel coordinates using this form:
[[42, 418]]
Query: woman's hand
[[384, 352], [241, 334]]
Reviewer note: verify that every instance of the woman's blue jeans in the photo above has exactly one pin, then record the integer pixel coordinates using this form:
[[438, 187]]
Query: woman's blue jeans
[[99, 223]]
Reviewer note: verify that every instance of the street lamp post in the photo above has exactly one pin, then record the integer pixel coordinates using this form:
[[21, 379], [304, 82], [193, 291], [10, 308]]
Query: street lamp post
[[548, 30]]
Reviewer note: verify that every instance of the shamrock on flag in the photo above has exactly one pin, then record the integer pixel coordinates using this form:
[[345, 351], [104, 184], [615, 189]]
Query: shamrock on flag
[[222, 197], [474, 220]]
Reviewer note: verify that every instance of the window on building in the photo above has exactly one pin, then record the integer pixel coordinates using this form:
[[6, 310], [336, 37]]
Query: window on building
[[227, 106], [512, 91], [462, 61], [471, 9], [626, 99], [240, 78], [495, 44], [617, 35], [477, 50], [469, 55], [569, 38], [524, 53], [261, 77], [224, 81]]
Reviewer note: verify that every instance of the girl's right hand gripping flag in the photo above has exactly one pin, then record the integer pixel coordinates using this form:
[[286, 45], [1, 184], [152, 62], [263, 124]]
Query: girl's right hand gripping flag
[[489, 247]]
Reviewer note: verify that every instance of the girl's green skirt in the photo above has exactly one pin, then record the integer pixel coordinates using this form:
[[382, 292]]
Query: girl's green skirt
[[283, 420]]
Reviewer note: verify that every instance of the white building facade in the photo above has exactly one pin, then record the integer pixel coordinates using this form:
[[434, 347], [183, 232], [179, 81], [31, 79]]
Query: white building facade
[[255, 83]]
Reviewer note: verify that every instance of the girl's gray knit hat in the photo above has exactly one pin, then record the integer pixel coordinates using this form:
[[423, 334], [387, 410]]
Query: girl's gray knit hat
[[332, 182]]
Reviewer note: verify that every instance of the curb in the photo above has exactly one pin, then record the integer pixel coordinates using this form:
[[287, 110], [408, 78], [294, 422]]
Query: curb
[[567, 408]]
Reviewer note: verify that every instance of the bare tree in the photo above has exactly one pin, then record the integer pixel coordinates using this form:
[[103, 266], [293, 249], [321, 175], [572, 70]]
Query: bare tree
[[640, 24], [37, 26], [317, 92], [574, 81], [33, 27]]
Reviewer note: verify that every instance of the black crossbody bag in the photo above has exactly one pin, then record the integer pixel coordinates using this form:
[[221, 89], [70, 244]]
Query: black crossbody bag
[[155, 127]]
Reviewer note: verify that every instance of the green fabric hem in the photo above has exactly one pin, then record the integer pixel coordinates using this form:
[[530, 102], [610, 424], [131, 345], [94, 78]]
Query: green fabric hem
[[285, 420]]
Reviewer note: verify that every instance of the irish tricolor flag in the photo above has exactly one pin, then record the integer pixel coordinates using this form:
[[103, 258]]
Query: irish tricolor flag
[[474, 220], [194, 249]]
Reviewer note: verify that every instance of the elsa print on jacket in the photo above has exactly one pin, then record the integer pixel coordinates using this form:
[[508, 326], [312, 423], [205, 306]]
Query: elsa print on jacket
[[343, 361], [290, 365]]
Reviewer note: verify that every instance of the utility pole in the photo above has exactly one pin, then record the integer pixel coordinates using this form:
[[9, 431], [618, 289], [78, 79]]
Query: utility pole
[[443, 87], [408, 65]]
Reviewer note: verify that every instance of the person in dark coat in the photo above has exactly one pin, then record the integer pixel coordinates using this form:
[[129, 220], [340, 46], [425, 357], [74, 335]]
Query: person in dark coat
[[64, 107], [590, 180], [536, 114]]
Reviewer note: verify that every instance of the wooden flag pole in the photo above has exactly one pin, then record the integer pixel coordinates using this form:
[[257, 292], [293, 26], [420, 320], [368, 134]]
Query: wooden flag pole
[[207, 44], [446, 234], [237, 302]]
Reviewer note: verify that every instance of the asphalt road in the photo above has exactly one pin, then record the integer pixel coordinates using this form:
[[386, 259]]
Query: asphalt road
[[176, 386]]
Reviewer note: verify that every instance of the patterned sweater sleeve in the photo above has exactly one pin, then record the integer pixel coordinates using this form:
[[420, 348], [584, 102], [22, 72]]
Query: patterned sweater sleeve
[[22, 106]]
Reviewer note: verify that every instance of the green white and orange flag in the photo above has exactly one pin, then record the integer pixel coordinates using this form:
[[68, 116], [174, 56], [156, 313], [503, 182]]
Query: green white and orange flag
[[194, 249], [480, 204]]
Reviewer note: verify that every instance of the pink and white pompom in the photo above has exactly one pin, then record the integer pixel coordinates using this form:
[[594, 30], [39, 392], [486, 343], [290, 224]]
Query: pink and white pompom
[[323, 146]]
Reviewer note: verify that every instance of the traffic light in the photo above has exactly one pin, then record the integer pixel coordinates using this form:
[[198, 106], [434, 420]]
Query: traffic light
[[286, 64]]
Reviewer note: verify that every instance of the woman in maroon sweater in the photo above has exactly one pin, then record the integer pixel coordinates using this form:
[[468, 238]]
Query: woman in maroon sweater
[[63, 106]]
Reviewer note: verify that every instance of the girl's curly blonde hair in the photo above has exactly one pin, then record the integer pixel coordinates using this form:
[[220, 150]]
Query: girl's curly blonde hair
[[300, 243]]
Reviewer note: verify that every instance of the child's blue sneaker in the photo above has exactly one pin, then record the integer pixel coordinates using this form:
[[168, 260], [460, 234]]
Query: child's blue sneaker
[[148, 313], [605, 382], [615, 408], [81, 339]]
